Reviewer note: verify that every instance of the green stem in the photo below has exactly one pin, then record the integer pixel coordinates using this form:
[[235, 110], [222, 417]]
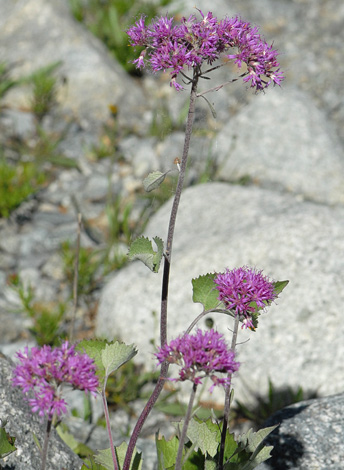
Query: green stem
[[166, 274], [227, 399], [182, 437]]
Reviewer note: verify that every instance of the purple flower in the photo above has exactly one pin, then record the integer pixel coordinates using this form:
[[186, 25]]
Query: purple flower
[[200, 355], [192, 43], [244, 290], [43, 370]]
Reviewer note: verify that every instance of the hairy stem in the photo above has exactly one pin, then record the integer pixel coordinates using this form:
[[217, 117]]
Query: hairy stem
[[178, 465], [108, 427], [45, 444], [166, 274], [227, 400], [206, 312]]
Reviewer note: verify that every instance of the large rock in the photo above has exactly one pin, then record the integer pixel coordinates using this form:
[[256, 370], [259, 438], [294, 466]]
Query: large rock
[[36, 33], [282, 140], [309, 436], [23, 425], [298, 342]]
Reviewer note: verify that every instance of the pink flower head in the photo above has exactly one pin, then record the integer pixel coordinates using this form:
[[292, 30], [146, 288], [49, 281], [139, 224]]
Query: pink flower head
[[43, 370], [203, 354], [191, 43], [244, 290]]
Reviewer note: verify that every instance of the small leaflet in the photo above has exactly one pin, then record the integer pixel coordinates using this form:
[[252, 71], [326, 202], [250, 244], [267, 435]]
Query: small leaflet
[[279, 286], [142, 249], [153, 180], [204, 291]]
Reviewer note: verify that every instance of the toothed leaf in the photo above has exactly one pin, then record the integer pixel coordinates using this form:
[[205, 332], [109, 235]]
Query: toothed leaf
[[142, 249], [108, 356], [115, 355], [204, 291], [93, 348], [203, 435], [104, 457], [279, 286], [6, 443], [153, 180]]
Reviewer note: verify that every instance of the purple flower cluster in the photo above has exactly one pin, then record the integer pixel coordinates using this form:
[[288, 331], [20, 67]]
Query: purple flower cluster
[[193, 42], [200, 355], [244, 290], [43, 370]]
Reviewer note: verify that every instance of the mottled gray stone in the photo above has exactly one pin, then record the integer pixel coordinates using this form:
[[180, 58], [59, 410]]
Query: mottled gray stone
[[18, 123], [309, 436], [22, 423], [298, 341], [38, 33], [283, 141]]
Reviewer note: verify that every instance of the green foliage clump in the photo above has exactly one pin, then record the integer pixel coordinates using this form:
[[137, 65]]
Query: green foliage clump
[[44, 90], [6, 83], [109, 19], [47, 317], [17, 183], [89, 260]]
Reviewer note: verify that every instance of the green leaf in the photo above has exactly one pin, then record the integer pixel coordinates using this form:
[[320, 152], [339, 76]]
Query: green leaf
[[115, 355], [252, 440], [67, 437], [91, 464], [142, 249], [210, 465], [153, 180], [6, 443], [204, 291], [108, 356], [35, 438], [76, 446], [104, 457], [252, 443], [93, 348], [166, 452], [204, 435], [279, 286], [231, 451]]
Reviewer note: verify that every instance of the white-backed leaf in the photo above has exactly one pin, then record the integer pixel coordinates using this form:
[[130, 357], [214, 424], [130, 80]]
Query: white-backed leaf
[[205, 292], [142, 249], [153, 180], [115, 355]]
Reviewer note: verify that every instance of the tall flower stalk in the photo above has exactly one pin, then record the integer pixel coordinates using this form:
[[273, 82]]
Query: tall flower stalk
[[182, 48]]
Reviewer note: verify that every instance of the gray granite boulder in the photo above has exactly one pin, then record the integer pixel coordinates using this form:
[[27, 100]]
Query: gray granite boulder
[[35, 33], [283, 141], [309, 436], [22, 423], [299, 340]]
